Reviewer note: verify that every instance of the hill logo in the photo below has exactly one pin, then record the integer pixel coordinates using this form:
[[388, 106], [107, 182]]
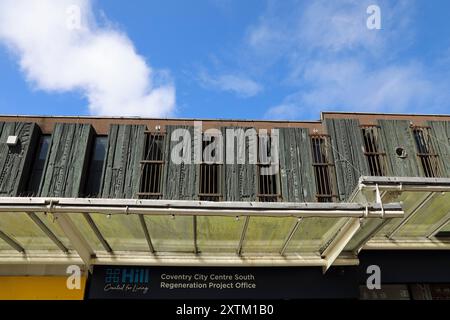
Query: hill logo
[[129, 280]]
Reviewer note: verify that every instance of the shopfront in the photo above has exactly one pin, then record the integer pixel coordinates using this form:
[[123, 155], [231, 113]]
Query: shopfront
[[149, 228]]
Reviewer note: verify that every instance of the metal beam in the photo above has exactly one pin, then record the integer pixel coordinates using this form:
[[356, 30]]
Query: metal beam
[[172, 259], [146, 233], [201, 260], [11, 242], [338, 244], [405, 182], [194, 226], [243, 234], [441, 224], [97, 232], [47, 231], [360, 244], [75, 237], [198, 208], [401, 184], [405, 244], [290, 236], [427, 198], [41, 257]]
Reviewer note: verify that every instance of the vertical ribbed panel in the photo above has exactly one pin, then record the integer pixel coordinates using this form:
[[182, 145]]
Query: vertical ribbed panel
[[16, 161], [441, 140], [122, 169], [296, 169], [240, 180], [180, 181], [349, 159], [397, 134], [66, 163]]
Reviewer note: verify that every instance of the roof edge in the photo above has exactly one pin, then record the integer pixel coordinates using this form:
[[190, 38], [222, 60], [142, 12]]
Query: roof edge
[[153, 119], [323, 113]]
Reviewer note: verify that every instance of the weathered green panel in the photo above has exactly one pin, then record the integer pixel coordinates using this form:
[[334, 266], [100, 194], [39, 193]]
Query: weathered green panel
[[67, 160], [16, 161], [440, 131], [397, 134], [180, 181], [296, 170], [348, 153], [122, 169], [240, 180]]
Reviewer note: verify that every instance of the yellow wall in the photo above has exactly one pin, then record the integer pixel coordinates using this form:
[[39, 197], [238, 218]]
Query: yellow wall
[[39, 288]]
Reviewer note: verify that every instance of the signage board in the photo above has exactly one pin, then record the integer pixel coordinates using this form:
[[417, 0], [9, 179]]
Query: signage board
[[134, 282]]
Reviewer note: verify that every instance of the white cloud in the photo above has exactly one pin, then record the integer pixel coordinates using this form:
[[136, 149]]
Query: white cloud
[[350, 85], [238, 84], [263, 35], [99, 62], [335, 63], [337, 26], [286, 111]]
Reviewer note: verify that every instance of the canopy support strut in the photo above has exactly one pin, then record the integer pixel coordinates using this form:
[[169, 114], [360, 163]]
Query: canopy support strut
[[243, 234], [146, 233], [11, 242], [290, 236], [47, 231], [97, 232], [80, 244], [338, 244]]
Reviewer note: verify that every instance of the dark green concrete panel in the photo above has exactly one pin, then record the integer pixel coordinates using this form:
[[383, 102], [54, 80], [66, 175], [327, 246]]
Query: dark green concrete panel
[[240, 179], [122, 170], [296, 170], [15, 161], [348, 154], [440, 131], [180, 180], [67, 159], [397, 134]]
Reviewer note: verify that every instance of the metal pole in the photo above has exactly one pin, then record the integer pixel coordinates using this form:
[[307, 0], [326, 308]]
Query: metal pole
[[290, 236], [47, 231]]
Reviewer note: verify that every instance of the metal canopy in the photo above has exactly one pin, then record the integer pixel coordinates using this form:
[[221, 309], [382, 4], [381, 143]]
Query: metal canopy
[[426, 203], [159, 232], [382, 213]]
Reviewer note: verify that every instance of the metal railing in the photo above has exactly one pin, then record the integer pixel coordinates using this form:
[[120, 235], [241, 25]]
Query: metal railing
[[152, 166], [322, 165], [375, 155], [426, 154]]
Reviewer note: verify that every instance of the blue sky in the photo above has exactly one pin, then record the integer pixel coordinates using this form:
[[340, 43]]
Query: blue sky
[[225, 58]]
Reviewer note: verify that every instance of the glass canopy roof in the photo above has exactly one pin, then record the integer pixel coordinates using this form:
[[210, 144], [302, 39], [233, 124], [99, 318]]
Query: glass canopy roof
[[111, 231], [383, 213], [426, 203]]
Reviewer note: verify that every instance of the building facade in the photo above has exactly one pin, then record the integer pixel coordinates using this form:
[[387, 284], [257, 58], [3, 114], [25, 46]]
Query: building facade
[[167, 208]]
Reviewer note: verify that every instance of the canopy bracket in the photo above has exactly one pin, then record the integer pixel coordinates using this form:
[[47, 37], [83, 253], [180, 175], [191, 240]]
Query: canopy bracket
[[11, 242], [243, 235], [194, 226], [97, 233], [379, 199], [47, 231], [75, 237], [146, 234], [290, 236], [332, 251]]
